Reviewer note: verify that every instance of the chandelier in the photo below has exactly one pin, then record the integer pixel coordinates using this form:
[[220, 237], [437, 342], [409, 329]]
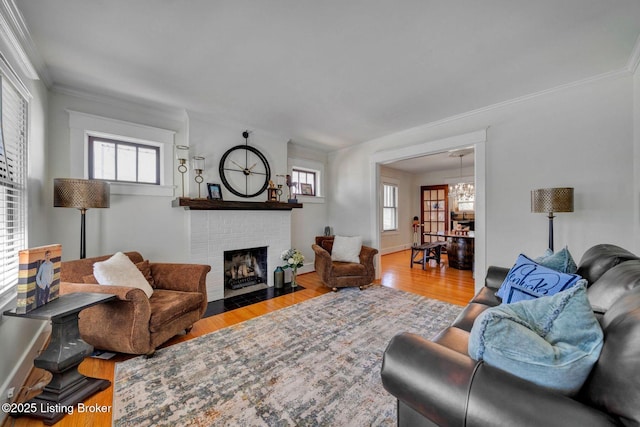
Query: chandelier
[[462, 191]]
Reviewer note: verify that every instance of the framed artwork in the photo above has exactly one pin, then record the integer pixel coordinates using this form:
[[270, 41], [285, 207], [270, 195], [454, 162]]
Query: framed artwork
[[38, 277], [215, 191], [306, 189]]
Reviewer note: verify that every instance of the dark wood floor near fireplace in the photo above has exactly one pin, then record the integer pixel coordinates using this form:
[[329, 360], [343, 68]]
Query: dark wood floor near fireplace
[[239, 301]]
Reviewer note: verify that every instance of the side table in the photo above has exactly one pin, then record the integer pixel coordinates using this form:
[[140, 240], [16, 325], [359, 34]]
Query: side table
[[66, 350]]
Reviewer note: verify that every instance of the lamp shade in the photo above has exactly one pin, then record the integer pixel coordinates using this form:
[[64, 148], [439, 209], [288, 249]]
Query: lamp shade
[[80, 193], [547, 200]]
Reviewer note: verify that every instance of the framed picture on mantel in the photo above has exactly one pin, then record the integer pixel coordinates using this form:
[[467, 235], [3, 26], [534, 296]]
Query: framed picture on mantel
[[215, 191]]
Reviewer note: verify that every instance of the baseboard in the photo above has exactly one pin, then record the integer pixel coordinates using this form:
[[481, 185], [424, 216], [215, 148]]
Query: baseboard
[[24, 365], [306, 268], [392, 249]]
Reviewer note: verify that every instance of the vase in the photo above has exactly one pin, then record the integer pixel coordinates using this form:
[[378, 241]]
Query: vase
[[294, 272], [278, 278]]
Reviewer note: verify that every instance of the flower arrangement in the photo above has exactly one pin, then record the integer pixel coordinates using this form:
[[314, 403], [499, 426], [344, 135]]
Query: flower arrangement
[[293, 259]]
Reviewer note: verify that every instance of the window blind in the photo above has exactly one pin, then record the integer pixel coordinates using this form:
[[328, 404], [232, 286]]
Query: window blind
[[13, 178]]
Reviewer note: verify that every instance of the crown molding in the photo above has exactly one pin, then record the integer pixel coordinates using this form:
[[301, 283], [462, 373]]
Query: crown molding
[[162, 110], [14, 31]]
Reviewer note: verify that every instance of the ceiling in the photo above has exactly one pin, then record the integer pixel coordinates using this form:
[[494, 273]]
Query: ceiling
[[331, 73], [446, 161]]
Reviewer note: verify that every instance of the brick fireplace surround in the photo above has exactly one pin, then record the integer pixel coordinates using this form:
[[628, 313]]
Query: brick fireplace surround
[[211, 232]]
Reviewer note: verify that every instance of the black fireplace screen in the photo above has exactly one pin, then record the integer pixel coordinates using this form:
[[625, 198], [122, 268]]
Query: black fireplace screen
[[245, 267]]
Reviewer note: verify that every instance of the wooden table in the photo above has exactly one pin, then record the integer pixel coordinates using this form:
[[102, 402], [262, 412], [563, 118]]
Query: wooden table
[[423, 253], [65, 352], [460, 250]]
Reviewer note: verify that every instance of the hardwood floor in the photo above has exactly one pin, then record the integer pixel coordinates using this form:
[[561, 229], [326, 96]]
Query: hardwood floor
[[438, 282]]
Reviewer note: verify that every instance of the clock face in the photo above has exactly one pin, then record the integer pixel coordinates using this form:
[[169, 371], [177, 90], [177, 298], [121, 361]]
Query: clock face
[[244, 171]]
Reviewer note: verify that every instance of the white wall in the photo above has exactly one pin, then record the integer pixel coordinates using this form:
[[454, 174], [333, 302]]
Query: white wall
[[147, 224], [393, 241], [211, 137], [132, 222], [579, 136], [308, 222]]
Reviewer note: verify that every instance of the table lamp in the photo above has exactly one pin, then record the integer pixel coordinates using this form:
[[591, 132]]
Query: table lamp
[[81, 194], [550, 201]]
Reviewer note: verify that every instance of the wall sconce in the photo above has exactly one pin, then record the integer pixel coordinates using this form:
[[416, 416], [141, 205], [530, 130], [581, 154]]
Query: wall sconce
[[182, 155], [198, 169]]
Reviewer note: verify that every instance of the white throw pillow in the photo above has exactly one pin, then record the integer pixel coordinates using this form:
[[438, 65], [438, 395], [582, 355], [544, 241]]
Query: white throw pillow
[[346, 249], [119, 270]]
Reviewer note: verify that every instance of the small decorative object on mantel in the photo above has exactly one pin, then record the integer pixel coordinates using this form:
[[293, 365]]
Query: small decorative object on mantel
[[272, 192], [292, 188], [244, 170], [306, 189], [280, 179], [198, 168], [38, 277], [182, 155], [294, 260], [215, 191]]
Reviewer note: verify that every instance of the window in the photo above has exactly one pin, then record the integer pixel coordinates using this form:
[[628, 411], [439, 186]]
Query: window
[[83, 126], [13, 178], [306, 182], [310, 173], [123, 161], [390, 207]]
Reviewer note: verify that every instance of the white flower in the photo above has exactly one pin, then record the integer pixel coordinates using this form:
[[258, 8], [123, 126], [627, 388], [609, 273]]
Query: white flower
[[293, 258]]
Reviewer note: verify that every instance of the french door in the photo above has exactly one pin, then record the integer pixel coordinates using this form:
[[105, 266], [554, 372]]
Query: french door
[[435, 212]]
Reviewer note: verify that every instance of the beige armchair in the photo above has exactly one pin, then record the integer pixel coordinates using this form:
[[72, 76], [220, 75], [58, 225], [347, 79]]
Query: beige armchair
[[133, 323], [336, 274]]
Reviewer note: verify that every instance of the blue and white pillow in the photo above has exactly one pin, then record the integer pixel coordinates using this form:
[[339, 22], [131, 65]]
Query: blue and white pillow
[[529, 280]]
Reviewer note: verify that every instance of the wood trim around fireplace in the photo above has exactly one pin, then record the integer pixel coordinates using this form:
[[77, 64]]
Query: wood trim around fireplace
[[208, 204]]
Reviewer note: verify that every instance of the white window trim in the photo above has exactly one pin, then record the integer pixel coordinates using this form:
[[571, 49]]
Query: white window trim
[[83, 125], [395, 183], [8, 295], [311, 166]]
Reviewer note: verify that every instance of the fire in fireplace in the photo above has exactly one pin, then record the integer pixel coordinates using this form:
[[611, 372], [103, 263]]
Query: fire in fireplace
[[245, 267]]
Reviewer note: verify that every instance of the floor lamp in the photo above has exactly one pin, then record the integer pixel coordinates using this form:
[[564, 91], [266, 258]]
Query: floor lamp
[[81, 194], [550, 201]]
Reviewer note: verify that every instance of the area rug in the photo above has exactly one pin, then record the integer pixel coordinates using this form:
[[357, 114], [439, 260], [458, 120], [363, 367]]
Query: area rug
[[314, 363]]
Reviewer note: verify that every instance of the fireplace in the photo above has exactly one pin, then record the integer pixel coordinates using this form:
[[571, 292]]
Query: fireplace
[[245, 267], [208, 240]]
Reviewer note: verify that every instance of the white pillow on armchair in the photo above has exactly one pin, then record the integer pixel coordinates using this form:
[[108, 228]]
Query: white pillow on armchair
[[119, 270], [346, 249]]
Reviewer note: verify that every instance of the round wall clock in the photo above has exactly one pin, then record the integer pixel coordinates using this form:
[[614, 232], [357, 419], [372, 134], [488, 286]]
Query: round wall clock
[[244, 170]]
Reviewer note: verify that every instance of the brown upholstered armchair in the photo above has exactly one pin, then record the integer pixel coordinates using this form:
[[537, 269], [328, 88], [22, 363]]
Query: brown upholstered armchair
[[336, 274], [133, 323]]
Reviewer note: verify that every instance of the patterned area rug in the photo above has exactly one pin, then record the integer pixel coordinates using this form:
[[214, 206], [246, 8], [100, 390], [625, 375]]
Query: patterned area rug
[[314, 363]]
